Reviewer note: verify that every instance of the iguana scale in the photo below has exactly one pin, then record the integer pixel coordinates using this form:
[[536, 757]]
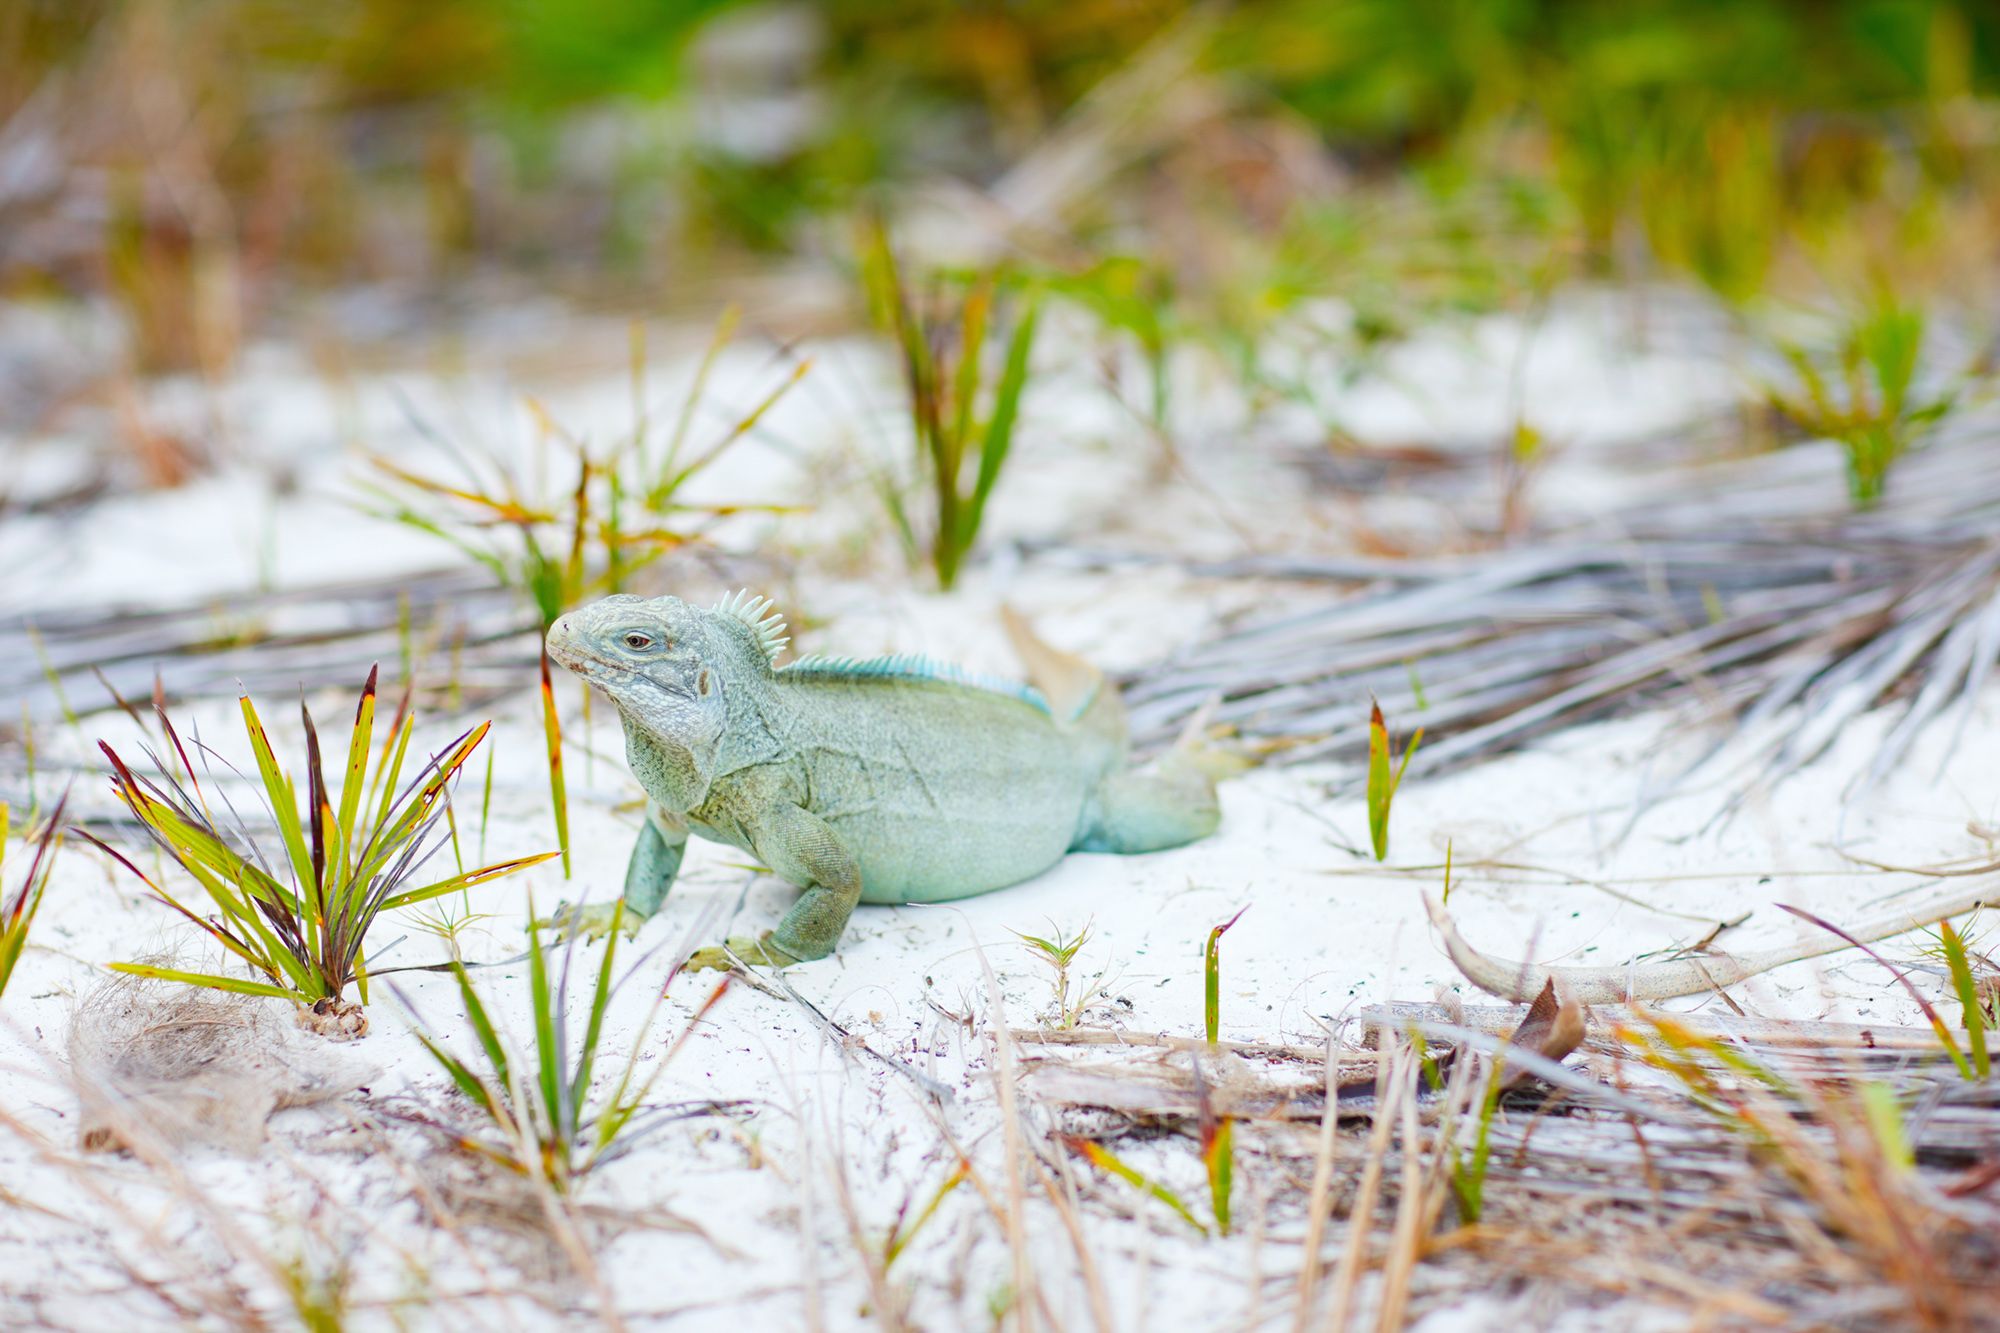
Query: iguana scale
[[890, 780]]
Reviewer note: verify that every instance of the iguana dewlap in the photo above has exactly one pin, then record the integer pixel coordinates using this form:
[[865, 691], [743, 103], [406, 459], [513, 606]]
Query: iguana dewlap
[[892, 780]]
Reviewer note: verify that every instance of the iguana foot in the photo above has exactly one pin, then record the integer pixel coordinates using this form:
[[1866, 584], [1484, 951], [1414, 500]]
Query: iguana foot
[[592, 921], [759, 952]]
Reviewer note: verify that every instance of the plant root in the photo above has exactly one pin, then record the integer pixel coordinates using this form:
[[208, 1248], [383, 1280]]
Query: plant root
[[334, 1018]]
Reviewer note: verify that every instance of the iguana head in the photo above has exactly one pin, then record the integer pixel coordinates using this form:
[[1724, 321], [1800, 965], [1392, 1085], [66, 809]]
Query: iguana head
[[671, 669]]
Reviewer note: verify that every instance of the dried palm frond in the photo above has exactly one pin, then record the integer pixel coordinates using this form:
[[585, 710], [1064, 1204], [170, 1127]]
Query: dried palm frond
[[1753, 592]]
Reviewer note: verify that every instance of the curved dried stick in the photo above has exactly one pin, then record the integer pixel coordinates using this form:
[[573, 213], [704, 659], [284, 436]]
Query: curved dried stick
[[1698, 974]]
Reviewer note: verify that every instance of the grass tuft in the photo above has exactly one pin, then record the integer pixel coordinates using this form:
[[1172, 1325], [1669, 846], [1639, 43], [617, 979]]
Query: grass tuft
[[352, 855], [1859, 393], [625, 508], [537, 1115], [941, 344]]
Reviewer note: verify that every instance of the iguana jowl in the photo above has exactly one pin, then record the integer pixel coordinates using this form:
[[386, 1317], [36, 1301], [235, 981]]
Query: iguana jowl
[[884, 781]]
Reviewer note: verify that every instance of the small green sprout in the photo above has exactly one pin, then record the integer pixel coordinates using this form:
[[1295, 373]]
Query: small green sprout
[[1385, 775], [18, 916], [1468, 1178], [1212, 976], [1059, 953]]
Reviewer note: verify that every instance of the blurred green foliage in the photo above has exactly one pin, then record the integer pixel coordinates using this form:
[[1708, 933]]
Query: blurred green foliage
[[1408, 155]]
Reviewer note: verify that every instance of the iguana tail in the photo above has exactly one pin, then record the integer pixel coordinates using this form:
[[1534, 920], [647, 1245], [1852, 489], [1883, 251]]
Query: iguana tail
[[1079, 696]]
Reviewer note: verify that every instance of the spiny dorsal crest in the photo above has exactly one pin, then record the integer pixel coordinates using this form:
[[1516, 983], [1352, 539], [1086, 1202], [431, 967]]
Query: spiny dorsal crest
[[910, 666], [761, 618]]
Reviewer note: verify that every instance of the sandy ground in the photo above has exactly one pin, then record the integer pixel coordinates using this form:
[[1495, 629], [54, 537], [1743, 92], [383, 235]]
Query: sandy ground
[[763, 1211]]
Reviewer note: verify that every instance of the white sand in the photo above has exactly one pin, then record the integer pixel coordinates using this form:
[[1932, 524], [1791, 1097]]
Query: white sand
[[826, 1129]]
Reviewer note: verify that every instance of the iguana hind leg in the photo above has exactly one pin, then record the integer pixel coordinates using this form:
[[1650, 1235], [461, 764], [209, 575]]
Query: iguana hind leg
[[1163, 805], [803, 848]]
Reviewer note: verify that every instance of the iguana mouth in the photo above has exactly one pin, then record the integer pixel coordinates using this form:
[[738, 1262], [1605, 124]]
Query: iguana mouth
[[590, 666]]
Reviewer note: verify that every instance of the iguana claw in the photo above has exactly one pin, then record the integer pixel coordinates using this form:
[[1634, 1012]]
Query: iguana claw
[[592, 921], [759, 952]]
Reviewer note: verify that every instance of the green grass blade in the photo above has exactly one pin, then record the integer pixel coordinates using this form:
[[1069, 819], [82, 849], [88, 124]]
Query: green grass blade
[[971, 342], [486, 801], [1212, 976], [1884, 1113], [725, 329], [482, 1026], [403, 821], [600, 999], [236, 985], [547, 1058], [1930, 1013], [900, 1240], [389, 768], [743, 426], [1469, 1180], [1218, 1155], [999, 437], [359, 741], [1105, 1160], [558, 787], [1968, 998], [1385, 775], [13, 940], [461, 1074], [1380, 783], [284, 804], [464, 881]]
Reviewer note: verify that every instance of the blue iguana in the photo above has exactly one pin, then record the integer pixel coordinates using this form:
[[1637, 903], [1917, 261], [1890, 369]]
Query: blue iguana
[[890, 780]]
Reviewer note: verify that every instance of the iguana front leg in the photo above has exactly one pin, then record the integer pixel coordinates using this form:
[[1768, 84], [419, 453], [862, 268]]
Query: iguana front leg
[[803, 848], [656, 859]]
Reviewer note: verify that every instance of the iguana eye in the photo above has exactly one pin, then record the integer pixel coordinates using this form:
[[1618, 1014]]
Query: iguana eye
[[636, 641]]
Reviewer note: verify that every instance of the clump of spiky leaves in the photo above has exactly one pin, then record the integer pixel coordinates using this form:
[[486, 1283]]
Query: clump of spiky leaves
[[538, 1118], [26, 900], [1863, 398], [941, 343], [347, 859]]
